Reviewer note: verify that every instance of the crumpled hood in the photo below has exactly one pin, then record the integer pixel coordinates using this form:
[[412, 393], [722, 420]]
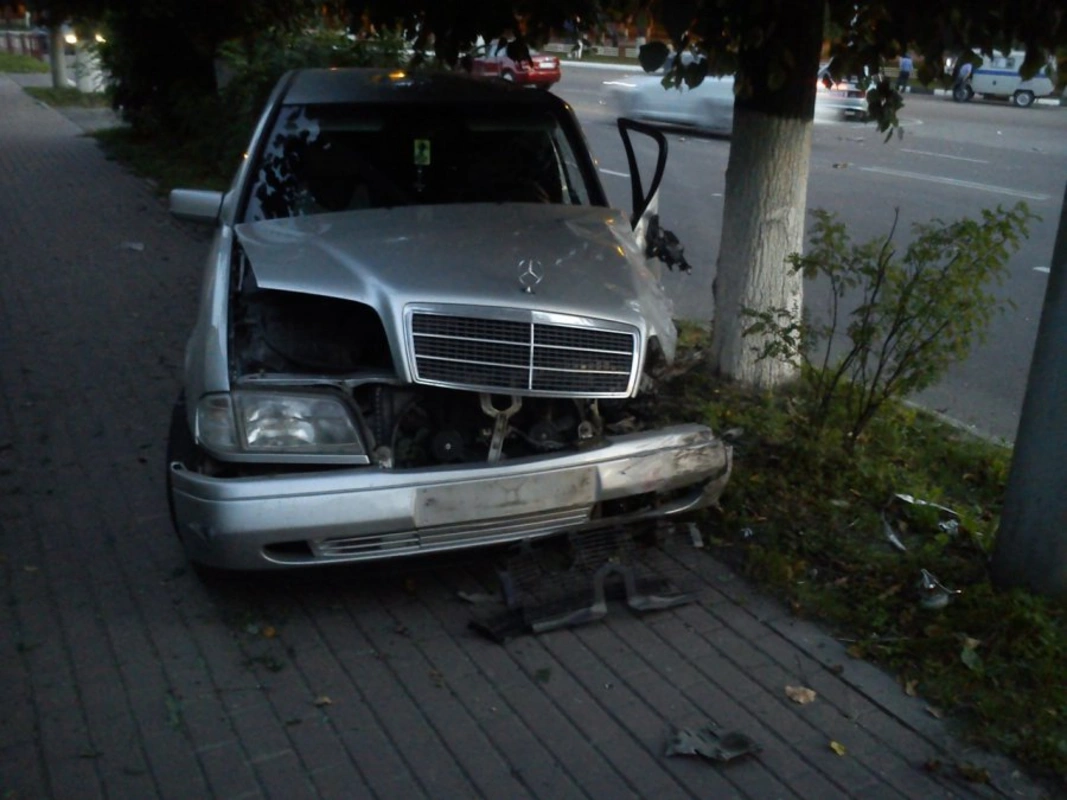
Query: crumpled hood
[[465, 254]]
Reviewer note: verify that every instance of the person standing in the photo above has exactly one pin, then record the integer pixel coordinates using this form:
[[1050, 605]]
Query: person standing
[[905, 73]]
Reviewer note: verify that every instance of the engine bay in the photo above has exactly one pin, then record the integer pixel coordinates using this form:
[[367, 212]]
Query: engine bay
[[284, 339]]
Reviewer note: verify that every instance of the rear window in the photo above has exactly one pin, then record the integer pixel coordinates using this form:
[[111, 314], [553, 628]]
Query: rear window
[[324, 158]]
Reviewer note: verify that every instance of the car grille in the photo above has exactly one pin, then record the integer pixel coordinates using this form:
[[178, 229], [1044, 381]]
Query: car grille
[[448, 537], [522, 356]]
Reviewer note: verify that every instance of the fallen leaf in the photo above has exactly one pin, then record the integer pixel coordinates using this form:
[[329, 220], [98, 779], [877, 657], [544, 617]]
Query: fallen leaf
[[800, 694], [936, 713], [323, 700], [838, 748], [910, 687], [970, 644], [855, 651], [269, 632]]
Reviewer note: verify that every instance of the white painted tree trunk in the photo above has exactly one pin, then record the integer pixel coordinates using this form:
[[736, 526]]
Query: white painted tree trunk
[[57, 56], [762, 224]]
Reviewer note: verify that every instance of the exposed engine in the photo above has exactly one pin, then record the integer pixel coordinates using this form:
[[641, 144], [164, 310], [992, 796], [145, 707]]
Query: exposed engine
[[281, 338]]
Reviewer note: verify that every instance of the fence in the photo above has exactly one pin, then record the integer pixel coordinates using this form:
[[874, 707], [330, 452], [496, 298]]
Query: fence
[[29, 43]]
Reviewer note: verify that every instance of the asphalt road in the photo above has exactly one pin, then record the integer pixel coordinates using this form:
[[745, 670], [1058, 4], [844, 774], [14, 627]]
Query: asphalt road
[[953, 160]]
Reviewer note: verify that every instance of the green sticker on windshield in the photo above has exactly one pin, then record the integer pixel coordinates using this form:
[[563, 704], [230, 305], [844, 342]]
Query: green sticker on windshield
[[422, 152]]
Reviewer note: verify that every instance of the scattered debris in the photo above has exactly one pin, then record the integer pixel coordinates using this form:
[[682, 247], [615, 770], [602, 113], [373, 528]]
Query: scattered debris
[[694, 535], [934, 712], [842, 165], [933, 594], [891, 535], [137, 247], [801, 695], [707, 742], [545, 589], [838, 748], [323, 700]]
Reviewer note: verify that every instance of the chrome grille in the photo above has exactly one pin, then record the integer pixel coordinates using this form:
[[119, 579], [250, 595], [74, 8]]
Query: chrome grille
[[522, 357]]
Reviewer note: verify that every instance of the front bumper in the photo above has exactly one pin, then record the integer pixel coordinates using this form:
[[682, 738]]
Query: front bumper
[[367, 513]]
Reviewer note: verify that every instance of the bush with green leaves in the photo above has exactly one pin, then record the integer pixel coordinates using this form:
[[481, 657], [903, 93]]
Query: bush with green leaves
[[906, 314]]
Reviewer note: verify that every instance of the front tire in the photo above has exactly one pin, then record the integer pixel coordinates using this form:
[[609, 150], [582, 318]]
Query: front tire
[[961, 94], [1023, 99]]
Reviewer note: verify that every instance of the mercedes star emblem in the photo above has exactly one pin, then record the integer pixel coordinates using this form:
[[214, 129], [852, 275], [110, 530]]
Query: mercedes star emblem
[[531, 273]]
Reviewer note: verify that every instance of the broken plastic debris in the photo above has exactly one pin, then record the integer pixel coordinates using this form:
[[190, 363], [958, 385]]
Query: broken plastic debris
[[801, 695], [136, 246], [707, 742], [891, 535], [933, 593], [694, 535]]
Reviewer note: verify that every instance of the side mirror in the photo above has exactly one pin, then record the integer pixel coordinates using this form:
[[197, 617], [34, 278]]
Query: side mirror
[[196, 205]]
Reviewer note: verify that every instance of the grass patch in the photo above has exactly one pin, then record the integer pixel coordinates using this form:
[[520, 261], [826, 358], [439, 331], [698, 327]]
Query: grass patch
[[67, 97], [21, 64], [804, 519], [169, 164]]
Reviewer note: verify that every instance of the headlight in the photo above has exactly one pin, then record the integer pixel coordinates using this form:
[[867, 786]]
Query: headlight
[[266, 425]]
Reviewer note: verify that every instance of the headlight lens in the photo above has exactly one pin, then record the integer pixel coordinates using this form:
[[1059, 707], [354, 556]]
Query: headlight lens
[[273, 423]]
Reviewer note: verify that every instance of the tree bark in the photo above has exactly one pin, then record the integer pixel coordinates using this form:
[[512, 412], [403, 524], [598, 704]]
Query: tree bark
[[762, 223], [57, 56], [766, 187], [1031, 546]]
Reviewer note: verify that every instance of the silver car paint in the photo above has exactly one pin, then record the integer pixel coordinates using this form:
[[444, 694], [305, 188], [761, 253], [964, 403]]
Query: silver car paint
[[465, 255], [227, 523]]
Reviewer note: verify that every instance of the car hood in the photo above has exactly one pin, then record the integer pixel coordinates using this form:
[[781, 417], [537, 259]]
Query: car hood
[[466, 254]]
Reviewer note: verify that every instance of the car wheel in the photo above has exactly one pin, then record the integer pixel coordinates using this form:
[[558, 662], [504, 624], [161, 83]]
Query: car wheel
[[1023, 99], [961, 94]]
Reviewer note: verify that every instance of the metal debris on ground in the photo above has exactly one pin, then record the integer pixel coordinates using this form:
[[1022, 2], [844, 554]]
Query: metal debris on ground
[[547, 586], [932, 593], [709, 743], [897, 509]]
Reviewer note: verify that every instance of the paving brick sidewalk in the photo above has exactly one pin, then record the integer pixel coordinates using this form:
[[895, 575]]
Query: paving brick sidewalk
[[124, 675]]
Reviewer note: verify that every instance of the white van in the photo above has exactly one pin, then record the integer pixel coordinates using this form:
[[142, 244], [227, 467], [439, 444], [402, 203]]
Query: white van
[[999, 77]]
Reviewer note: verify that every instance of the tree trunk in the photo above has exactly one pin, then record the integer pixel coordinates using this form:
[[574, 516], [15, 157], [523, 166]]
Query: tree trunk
[[762, 223], [1031, 547], [766, 187], [57, 56]]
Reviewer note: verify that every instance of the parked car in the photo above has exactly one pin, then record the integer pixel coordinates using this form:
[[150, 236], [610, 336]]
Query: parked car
[[709, 106], [538, 70], [998, 77], [422, 328]]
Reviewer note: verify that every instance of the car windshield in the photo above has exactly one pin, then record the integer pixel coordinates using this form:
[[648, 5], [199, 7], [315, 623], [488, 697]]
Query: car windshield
[[332, 157]]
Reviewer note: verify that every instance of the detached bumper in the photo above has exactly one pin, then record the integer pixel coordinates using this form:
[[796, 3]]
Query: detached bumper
[[366, 513]]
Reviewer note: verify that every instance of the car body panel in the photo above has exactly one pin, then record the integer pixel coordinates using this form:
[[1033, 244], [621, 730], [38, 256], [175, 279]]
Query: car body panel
[[590, 265], [541, 69], [367, 513], [709, 106], [454, 462], [999, 76]]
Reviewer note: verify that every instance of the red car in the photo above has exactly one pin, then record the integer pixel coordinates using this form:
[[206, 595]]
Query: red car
[[539, 70]]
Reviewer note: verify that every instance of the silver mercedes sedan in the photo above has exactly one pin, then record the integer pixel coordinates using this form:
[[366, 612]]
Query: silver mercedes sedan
[[423, 328]]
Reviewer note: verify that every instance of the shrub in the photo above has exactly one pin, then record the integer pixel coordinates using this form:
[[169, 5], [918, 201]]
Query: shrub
[[918, 311]]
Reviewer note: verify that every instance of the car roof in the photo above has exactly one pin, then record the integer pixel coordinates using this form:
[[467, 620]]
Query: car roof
[[358, 85]]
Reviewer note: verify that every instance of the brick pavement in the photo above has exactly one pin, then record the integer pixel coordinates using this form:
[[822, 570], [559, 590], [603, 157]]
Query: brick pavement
[[124, 675]]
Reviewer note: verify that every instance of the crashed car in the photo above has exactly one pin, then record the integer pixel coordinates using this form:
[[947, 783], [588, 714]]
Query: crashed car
[[423, 328]]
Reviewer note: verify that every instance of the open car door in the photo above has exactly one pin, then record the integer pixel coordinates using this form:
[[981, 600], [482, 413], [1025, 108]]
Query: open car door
[[656, 241]]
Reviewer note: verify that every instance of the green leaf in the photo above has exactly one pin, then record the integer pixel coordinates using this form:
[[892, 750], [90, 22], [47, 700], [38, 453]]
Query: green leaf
[[653, 56], [969, 656]]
